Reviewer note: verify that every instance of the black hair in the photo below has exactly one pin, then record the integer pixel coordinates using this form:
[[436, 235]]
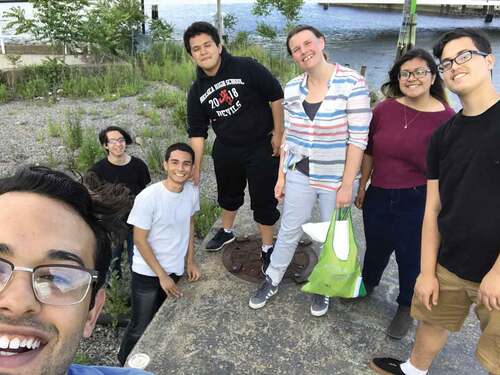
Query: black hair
[[102, 206], [179, 147], [391, 89], [103, 139], [198, 28], [478, 37], [298, 29]]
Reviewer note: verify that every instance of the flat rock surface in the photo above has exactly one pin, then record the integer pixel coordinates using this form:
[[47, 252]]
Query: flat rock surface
[[211, 329]]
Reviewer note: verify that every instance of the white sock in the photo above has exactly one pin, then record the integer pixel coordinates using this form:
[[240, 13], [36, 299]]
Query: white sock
[[265, 248], [409, 369], [230, 230]]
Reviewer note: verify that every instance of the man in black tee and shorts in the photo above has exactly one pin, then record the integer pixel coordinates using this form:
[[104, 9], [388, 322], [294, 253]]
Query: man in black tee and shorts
[[460, 262], [242, 101], [121, 168]]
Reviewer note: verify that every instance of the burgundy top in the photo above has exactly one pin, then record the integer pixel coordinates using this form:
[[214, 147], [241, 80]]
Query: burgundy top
[[398, 141]]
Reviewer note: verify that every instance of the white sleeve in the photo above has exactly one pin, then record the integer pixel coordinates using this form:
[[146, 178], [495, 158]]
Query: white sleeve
[[196, 200], [142, 212]]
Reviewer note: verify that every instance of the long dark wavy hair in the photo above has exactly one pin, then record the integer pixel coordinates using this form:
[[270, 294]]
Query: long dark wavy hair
[[391, 89]]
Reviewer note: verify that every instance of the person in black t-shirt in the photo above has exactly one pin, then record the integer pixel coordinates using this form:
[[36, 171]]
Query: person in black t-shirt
[[242, 101], [460, 262], [121, 168]]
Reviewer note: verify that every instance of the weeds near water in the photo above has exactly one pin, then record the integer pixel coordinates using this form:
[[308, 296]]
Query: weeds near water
[[4, 94], [153, 116], [179, 114], [152, 132], [72, 135], [164, 99], [116, 299], [54, 128]]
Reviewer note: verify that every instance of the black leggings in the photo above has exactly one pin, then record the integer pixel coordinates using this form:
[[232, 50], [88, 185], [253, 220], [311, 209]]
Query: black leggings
[[147, 297]]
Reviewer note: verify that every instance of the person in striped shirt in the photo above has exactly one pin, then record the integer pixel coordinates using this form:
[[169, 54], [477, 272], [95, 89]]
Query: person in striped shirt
[[327, 117]]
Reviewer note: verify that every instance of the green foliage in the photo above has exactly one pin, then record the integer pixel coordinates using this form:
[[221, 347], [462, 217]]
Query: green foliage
[[61, 22], [54, 128], [116, 299], [51, 161], [14, 59], [179, 114], [153, 116], [152, 132], [160, 30], [290, 9], [241, 39], [229, 20], [209, 212], [207, 147], [111, 25], [4, 94], [82, 358], [164, 99], [154, 157], [266, 31], [90, 151], [72, 136]]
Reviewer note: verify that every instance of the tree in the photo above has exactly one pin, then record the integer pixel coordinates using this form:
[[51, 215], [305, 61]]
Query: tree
[[59, 22], [290, 9]]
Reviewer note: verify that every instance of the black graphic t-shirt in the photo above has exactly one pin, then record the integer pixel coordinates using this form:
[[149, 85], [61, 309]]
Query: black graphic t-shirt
[[235, 102]]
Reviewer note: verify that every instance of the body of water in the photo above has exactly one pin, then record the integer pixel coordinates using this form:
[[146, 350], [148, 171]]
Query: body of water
[[354, 36]]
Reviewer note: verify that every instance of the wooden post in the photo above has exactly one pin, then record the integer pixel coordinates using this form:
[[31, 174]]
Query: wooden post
[[219, 20], [154, 12], [407, 33]]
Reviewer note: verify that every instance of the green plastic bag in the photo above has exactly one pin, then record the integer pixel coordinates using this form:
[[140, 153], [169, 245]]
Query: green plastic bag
[[333, 276]]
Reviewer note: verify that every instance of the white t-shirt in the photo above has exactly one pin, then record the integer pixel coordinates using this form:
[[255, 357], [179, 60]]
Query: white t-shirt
[[167, 216]]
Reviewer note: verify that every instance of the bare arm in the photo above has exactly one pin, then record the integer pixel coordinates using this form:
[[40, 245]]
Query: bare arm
[[352, 165], [427, 285], [366, 173], [277, 111], [489, 289], [193, 271], [142, 244], [197, 143]]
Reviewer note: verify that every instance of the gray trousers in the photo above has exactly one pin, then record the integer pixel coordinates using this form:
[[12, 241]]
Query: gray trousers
[[298, 204]]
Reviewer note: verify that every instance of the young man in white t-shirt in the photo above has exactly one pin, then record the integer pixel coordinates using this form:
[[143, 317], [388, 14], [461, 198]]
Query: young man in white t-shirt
[[163, 222]]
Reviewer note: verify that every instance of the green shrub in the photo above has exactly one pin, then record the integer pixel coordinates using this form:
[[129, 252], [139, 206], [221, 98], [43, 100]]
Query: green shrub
[[179, 114], [34, 88], [154, 157], [152, 132], [164, 99], [4, 95], [153, 116], [54, 128], [116, 299], [90, 151], [209, 212], [72, 134]]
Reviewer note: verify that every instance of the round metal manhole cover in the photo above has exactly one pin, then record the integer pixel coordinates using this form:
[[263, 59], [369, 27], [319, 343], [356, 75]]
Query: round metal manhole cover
[[242, 258]]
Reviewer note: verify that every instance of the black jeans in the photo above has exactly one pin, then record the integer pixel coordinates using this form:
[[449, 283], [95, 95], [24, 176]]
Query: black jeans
[[393, 222], [147, 297]]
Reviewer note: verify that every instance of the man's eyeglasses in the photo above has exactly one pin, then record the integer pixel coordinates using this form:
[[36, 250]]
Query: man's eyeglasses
[[460, 59], [53, 284], [418, 73], [116, 141]]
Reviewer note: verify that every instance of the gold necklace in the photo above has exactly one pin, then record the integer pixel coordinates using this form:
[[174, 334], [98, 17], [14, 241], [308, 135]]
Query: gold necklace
[[408, 123]]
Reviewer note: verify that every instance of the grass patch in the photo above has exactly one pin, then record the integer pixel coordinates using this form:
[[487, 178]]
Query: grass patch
[[116, 299], [206, 216], [164, 99], [152, 132], [153, 116], [179, 114], [90, 151], [54, 128], [82, 359], [154, 157], [72, 135], [4, 94]]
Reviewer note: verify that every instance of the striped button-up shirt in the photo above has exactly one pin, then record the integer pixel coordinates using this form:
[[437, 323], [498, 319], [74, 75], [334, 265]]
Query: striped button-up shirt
[[342, 119]]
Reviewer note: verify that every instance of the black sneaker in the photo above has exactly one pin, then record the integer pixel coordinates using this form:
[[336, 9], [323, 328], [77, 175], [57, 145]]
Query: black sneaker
[[265, 259], [220, 239], [386, 366], [266, 291]]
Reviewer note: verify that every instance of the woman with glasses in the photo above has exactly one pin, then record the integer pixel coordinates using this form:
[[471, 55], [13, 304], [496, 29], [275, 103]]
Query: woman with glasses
[[327, 115], [395, 160]]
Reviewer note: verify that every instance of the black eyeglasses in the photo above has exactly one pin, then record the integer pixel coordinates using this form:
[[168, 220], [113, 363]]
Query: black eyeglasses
[[418, 73], [53, 284], [460, 59]]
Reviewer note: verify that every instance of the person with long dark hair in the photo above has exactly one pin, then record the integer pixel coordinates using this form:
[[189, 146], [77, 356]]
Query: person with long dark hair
[[395, 160]]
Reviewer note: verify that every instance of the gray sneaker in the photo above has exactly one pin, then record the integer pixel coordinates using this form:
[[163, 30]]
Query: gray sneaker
[[319, 305], [266, 291], [400, 324]]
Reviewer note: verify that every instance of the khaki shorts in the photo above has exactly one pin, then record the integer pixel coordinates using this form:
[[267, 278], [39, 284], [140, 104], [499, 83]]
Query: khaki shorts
[[455, 298]]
